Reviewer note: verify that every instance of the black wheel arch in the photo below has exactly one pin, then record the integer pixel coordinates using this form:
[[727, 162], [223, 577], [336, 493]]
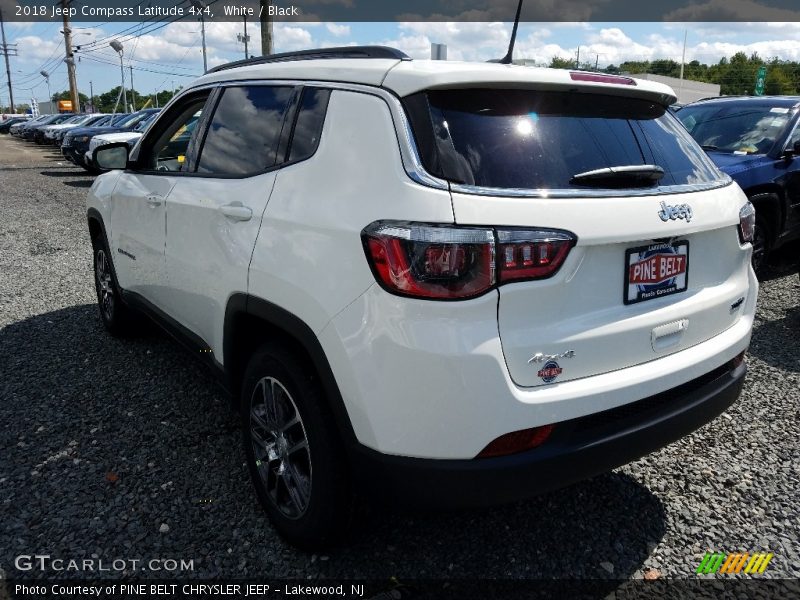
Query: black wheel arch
[[769, 204], [251, 321]]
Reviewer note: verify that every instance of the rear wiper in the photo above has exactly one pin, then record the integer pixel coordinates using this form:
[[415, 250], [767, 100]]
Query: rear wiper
[[622, 176]]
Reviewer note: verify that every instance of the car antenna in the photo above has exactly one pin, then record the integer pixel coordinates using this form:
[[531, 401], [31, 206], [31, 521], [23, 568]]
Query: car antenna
[[506, 60]]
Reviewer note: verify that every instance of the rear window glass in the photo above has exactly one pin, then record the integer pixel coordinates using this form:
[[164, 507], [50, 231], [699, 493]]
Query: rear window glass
[[749, 128], [542, 140]]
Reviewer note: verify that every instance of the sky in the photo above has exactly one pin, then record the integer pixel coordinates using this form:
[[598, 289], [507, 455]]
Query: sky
[[171, 56]]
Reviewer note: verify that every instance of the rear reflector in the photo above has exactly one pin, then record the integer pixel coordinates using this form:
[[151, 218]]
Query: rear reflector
[[600, 78], [738, 359], [517, 441]]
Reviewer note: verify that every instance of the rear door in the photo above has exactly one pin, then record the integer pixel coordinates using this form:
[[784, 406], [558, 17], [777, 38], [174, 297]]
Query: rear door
[[657, 266], [215, 211]]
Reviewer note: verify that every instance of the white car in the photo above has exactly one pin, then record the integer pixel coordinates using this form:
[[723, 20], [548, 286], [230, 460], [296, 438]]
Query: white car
[[129, 137], [452, 283]]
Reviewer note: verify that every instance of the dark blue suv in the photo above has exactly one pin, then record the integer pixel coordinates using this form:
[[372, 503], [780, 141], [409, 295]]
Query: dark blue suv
[[755, 140]]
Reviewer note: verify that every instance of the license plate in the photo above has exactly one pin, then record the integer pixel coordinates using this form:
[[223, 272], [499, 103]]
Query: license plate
[[656, 271]]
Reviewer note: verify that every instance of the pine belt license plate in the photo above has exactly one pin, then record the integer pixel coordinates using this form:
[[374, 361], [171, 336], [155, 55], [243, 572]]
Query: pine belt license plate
[[656, 270]]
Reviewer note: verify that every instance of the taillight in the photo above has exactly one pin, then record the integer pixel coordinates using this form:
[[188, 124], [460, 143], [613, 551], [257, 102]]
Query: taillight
[[446, 262], [427, 261], [531, 254], [747, 223]]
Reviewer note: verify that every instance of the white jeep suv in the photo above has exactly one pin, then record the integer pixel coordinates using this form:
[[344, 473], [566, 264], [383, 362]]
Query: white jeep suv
[[452, 283]]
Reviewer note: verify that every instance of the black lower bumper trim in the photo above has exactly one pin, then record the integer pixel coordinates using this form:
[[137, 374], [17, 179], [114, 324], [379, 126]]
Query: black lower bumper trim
[[578, 449]]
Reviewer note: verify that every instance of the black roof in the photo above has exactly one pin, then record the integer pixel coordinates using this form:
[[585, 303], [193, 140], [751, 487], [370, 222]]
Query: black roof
[[321, 53]]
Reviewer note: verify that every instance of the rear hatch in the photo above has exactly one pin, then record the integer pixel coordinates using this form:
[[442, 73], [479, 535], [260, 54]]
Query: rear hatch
[[657, 265]]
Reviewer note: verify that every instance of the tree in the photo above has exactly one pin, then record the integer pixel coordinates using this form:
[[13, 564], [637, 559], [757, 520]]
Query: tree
[[562, 63]]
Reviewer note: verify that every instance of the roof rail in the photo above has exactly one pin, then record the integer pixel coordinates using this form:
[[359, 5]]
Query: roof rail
[[321, 53]]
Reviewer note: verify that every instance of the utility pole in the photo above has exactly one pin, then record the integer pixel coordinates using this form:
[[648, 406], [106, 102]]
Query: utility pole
[[133, 98], [596, 61], [91, 96], [266, 28], [7, 50], [246, 38], [156, 91], [73, 82], [683, 60], [578, 59]]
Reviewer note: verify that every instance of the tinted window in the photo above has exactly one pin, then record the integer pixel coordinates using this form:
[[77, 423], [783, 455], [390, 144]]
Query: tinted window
[[165, 149], [310, 119], [541, 140], [749, 128], [244, 132]]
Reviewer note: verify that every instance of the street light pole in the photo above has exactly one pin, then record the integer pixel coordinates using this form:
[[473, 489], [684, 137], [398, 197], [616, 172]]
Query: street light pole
[[46, 76], [117, 46]]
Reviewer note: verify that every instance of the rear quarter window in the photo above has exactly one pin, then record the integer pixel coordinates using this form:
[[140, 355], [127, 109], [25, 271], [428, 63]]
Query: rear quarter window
[[501, 138]]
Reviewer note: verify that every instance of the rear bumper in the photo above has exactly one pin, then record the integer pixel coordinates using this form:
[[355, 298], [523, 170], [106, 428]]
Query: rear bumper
[[578, 449]]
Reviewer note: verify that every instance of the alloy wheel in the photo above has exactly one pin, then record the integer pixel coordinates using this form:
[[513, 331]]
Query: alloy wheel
[[280, 446]]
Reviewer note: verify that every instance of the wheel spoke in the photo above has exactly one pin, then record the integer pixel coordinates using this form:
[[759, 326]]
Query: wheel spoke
[[302, 445], [295, 488]]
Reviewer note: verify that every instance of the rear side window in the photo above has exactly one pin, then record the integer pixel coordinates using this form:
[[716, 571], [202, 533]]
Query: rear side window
[[541, 140], [310, 119], [243, 136]]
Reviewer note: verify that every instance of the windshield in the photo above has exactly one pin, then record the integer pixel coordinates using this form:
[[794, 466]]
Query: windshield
[[506, 138], [740, 128]]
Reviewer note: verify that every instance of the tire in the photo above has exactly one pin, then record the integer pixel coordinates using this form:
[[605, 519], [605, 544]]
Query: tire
[[763, 234], [117, 317], [296, 460]]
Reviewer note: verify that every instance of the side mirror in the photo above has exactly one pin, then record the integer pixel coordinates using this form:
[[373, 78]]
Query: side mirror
[[111, 156], [793, 151]]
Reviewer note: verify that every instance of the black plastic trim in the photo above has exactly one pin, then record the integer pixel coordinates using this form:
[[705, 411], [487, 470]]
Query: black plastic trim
[[186, 338], [298, 330]]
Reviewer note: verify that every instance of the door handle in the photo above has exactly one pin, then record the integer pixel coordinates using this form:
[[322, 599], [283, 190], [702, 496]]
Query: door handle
[[236, 211], [154, 200]]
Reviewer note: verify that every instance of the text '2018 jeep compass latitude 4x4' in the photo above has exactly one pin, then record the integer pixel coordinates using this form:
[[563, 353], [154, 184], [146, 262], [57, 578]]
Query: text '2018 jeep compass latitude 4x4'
[[452, 283]]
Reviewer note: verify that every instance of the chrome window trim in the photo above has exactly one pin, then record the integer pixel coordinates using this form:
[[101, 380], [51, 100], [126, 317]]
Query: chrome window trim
[[412, 163]]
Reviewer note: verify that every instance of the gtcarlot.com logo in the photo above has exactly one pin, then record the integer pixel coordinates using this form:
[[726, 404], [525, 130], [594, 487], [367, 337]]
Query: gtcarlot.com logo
[[45, 562]]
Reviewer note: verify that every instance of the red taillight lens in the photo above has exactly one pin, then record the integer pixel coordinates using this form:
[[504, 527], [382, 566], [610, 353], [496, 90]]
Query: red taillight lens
[[448, 262], [517, 441], [427, 261], [601, 78], [747, 223], [526, 254]]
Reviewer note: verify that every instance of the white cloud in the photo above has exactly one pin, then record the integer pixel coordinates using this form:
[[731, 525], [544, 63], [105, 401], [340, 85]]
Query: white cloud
[[338, 30]]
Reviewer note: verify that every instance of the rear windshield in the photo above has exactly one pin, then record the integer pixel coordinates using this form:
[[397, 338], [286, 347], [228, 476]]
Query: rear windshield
[[749, 128], [541, 140]]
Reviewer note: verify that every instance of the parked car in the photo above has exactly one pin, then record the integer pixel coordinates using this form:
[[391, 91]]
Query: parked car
[[756, 140], [54, 134], [5, 126], [76, 142], [447, 283], [131, 137], [19, 129], [35, 133]]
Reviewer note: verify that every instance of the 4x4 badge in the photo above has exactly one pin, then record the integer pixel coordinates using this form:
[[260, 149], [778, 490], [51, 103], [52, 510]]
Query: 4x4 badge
[[679, 211]]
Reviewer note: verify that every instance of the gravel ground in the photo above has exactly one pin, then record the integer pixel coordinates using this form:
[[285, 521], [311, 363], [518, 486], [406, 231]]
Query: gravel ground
[[127, 450]]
